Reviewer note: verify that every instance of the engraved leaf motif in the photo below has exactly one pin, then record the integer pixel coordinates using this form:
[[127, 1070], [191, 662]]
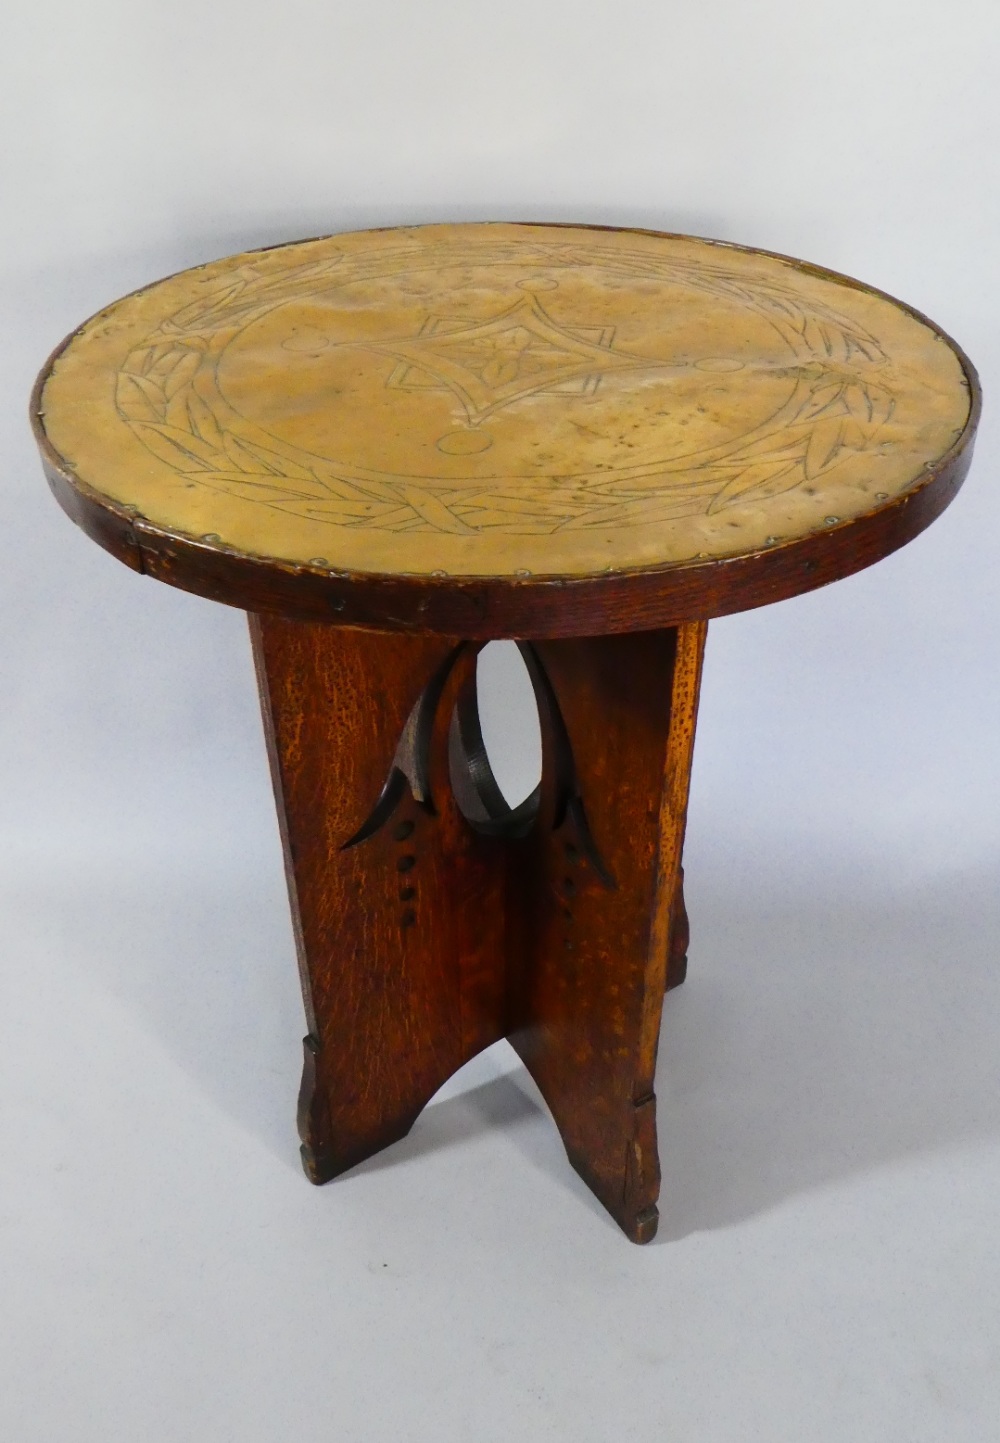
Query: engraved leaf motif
[[205, 311], [181, 372], [242, 457], [275, 463], [139, 398], [864, 345], [823, 398], [868, 408], [826, 440], [883, 405], [818, 337], [178, 448], [855, 434], [860, 402], [161, 361], [755, 483], [260, 489], [201, 420]]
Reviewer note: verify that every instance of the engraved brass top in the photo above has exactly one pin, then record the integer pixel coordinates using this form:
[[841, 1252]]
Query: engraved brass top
[[503, 399]]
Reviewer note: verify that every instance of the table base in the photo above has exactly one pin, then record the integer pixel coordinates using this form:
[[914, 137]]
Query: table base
[[432, 919]]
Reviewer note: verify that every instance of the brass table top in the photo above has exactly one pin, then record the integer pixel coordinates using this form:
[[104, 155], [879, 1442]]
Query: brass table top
[[503, 400]]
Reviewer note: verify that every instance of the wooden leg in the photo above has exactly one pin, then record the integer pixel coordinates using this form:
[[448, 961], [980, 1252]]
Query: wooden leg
[[402, 979], [432, 919], [598, 887]]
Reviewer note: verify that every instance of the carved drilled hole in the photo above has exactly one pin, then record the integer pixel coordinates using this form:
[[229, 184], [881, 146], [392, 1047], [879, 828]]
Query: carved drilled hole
[[407, 894], [407, 863], [403, 830]]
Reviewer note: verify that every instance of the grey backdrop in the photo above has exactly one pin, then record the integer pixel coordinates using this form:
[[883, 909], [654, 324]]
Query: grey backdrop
[[827, 1265]]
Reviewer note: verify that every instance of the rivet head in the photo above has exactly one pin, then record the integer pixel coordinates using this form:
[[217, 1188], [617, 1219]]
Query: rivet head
[[212, 536], [770, 540], [318, 561], [831, 520], [522, 572], [881, 495], [439, 573]]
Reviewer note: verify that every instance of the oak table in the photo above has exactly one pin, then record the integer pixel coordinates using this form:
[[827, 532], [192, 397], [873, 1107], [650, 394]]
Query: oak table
[[392, 446]]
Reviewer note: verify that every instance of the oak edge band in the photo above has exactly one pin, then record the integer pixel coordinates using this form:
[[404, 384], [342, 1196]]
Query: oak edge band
[[490, 608]]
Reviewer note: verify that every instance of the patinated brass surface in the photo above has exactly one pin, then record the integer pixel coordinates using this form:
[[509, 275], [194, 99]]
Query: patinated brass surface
[[503, 399]]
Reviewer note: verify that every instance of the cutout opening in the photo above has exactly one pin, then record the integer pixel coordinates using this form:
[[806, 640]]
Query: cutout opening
[[495, 745]]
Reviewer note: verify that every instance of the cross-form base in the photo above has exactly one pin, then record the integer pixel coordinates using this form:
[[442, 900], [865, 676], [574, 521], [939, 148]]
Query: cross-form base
[[431, 919]]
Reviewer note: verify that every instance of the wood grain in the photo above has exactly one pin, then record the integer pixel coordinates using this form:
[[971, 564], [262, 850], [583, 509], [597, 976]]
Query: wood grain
[[430, 939], [402, 983], [590, 968]]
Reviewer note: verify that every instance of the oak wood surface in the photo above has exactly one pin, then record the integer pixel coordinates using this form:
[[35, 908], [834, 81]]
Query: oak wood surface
[[423, 938], [393, 955], [590, 967]]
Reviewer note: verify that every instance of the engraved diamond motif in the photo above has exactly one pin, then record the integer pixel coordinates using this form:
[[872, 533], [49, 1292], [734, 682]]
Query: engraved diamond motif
[[490, 364]]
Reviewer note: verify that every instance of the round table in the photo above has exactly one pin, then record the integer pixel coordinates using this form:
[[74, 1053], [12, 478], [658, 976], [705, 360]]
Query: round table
[[392, 446]]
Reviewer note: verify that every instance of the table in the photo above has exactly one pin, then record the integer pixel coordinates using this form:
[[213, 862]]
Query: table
[[391, 447]]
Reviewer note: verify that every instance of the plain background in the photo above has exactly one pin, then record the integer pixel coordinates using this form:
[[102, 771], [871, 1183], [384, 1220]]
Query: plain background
[[827, 1266]]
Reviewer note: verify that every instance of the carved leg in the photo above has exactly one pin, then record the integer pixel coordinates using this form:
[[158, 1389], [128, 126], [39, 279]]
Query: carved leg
[[432, 919], [588, 985], [402, 974]]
